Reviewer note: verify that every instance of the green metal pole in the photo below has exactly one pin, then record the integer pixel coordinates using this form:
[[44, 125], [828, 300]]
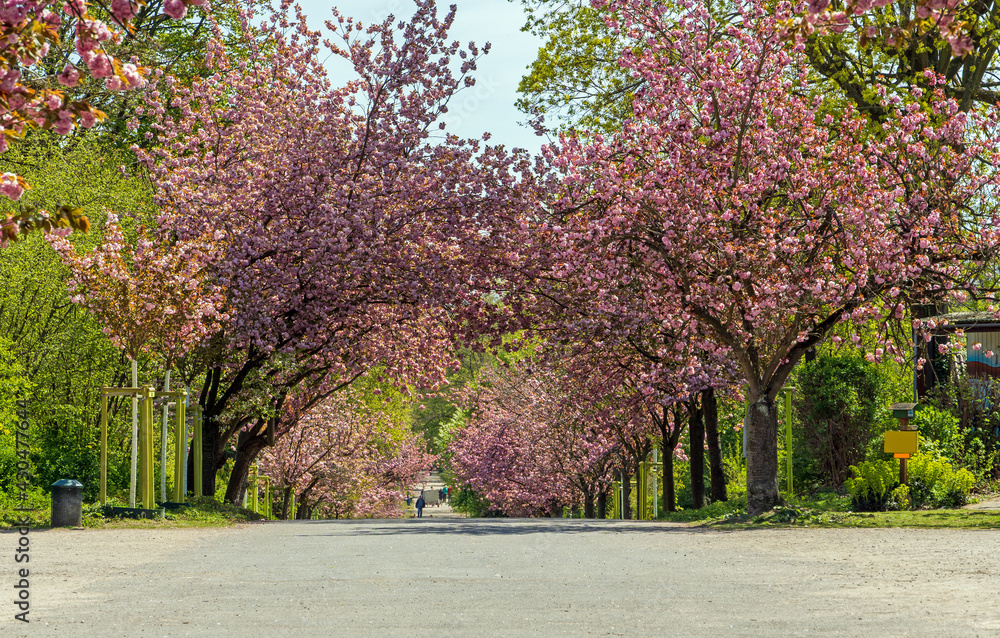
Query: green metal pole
[[267, 497], [146, 429], [179, 419], [196, 444], [163, 440], [256, 507], [291, 508], [104, 447]]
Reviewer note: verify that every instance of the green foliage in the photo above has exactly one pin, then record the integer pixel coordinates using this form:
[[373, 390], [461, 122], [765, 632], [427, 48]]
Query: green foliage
[[719, 510], [466, 501], [939, 431], [931, 481], [900, 498], [59, 347], [871, 485], [934, 481], [575, 77], [735, 468], [837, 405], [975, 404]]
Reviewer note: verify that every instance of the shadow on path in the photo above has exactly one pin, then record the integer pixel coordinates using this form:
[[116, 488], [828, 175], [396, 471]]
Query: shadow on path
[[492, 527]]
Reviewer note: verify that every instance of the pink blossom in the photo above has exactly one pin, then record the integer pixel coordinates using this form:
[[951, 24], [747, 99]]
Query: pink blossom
[[11, 186], [175, 8], [70, 76]]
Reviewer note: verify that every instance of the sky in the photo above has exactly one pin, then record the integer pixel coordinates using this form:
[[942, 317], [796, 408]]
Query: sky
[[488, 106]]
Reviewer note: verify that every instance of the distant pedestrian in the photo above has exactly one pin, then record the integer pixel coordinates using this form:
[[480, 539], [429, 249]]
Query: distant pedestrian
[[420, 506], [445, 490], [440, 497]]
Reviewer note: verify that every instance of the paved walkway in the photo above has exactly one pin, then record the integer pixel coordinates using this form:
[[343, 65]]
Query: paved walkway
[[432, 482], [988, 504], [496, 578]]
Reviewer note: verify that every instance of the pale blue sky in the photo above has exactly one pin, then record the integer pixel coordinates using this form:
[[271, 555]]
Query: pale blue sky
[[489, 106]]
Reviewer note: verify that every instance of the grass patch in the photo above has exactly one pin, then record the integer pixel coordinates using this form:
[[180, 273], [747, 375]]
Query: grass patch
[[204, 512], [829, 510]]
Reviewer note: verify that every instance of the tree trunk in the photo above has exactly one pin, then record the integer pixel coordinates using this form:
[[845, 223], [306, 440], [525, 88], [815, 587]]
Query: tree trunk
[[602, 505], [710, 408], [248, 446], [285, 502], [588, 506], [626, 493], [696, 453], [762, 455], [667, 447], [669, 489]]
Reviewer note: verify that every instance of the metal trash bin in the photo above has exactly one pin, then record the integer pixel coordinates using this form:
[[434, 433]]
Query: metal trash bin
[[67, 503]]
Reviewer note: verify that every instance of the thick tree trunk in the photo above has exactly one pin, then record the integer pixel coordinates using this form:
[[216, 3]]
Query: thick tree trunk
[[762, 455], [626, 493], [669, 489], [710, 408], [588, 506], [248, 446], [667, 446], [602, 505], [696, 453], [285, 502]]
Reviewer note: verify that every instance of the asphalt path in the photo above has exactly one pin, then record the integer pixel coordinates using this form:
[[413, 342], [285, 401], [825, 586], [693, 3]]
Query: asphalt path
[[482, 577]]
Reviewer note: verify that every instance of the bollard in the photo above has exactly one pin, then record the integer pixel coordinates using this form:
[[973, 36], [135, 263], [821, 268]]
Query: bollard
[[67, 503]]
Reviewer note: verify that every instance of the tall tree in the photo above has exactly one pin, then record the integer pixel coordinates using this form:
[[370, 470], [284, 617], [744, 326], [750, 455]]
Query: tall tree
[[349, 237], [732, 200]]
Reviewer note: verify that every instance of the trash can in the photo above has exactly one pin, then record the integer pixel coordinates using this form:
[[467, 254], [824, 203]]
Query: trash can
[[67, 503]]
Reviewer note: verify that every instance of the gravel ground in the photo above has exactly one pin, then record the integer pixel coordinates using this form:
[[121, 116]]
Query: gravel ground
[[469, 577]]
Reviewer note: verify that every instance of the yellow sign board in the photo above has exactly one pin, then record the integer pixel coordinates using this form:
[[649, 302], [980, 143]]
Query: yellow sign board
[[901, 442]]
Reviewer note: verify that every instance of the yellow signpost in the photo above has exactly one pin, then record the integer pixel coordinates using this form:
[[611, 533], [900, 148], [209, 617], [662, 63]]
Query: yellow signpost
[[904, 442], [901, 444]]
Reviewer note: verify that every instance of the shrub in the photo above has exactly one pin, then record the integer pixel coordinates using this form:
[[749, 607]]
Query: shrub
[[839, 399], [871, 485], [939, 429], [935, 482]]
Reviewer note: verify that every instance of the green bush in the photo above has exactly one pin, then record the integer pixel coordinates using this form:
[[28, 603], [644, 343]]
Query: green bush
[[871, 485], [939, 431], [837, 407], [935, 482]]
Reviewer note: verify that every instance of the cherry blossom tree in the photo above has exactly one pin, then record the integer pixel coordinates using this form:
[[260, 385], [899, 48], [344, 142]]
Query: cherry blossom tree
[[733, 200], [958, 22], [350, 233], [152, 298], [29, 29], [344, 460], [529, 446]]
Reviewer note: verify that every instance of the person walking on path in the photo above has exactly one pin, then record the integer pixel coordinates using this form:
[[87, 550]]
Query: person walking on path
[[420, 506]]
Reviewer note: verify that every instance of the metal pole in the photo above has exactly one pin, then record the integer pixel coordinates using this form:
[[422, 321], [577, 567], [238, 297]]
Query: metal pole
[[163, 442], [135, 434], [656, 485], [197, 453], [180, 419], [146, 486], [291, 508], [104, 447], [267, 496], [256, 504]]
